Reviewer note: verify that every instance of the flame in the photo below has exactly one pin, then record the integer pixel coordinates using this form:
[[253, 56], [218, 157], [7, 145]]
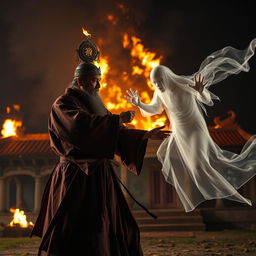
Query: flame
[[151, 125], [126, 41], [147, 59], [115, 94], [112, 93], [104, 67], [19, 219], [143, 61], [136, 70], [10, 127], [86, 33]]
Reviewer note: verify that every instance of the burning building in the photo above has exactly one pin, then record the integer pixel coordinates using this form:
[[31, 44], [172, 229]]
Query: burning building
[[26, 162]]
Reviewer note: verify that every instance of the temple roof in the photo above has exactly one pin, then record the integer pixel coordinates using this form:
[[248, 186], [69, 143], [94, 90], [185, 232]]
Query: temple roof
[[228, 137], [29, 144], [38, 144]]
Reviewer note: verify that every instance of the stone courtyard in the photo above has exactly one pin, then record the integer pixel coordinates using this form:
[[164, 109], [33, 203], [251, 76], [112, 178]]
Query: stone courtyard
[[221, 243]]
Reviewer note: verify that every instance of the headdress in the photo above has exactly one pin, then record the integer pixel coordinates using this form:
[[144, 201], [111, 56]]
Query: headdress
[[88, 53]]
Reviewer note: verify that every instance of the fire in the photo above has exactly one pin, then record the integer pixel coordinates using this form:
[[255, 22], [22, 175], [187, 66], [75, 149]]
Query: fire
[[136, 70], [115, 93], [19, 219], [112, 94], [151, 125], [86, 33], [104, 67], [10, 127], [147, 59]]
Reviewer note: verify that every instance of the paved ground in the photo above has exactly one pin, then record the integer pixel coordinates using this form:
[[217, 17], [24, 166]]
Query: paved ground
[[225, 243]]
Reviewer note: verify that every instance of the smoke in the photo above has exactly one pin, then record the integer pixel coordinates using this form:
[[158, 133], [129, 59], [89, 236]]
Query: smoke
[[43, 40]]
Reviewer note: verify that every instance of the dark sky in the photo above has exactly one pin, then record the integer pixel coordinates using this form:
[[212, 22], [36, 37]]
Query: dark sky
[[39, 38]]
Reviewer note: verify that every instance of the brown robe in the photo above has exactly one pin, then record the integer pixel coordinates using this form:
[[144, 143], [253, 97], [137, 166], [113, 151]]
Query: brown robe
[[83, 209]]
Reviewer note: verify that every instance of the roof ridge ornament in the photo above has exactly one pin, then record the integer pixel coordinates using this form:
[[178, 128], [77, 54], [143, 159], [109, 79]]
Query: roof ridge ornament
[[228, 122]]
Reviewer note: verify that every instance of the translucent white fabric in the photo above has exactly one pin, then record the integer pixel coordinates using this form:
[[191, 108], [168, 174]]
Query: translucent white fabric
[[191, 161]]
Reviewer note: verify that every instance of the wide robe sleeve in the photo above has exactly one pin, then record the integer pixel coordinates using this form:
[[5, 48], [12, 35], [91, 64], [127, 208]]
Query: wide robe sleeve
[[131, 148], [96, 136]]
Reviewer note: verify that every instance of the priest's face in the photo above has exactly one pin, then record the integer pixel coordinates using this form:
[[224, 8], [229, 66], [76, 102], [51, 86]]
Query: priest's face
[[91, 84]]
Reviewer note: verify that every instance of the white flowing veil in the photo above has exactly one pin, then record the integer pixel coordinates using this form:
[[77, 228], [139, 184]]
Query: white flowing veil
[[191, 161], [215, 68], [222, 63]]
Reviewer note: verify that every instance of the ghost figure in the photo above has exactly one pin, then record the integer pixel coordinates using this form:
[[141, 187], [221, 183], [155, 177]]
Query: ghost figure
[[192, 162]]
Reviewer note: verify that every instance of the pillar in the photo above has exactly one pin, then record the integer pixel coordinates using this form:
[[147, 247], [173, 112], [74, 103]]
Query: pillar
[[19, 194], [2, 195], [38, 194]]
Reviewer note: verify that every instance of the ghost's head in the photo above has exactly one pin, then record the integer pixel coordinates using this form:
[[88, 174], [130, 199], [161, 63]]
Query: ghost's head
[[160, 77]]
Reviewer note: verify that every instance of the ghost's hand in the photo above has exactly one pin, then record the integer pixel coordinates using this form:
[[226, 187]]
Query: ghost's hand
[[133, 97], [199, 83]]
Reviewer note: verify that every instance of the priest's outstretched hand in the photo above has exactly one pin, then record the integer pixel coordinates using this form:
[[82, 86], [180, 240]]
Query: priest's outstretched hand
[[157, 134]]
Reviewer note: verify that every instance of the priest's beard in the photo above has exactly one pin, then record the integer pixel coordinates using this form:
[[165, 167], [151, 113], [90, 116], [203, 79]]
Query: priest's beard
[[95, 104]]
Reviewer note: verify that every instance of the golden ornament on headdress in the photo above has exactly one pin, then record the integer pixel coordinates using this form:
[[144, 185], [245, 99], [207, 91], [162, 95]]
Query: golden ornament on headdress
[[88, 51]]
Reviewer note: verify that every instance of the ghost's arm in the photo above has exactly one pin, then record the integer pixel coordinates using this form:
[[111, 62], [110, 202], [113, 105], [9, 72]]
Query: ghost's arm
[[153, 108], [205, 97]]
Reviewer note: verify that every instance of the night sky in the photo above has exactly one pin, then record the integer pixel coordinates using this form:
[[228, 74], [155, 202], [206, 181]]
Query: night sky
[[39, 39]]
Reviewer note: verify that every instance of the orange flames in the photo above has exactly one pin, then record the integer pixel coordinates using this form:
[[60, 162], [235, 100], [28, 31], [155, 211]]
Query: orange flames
[[104, 67], [147, 59], [19, 219], [112, 94], [86, 33], [10, 125]]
